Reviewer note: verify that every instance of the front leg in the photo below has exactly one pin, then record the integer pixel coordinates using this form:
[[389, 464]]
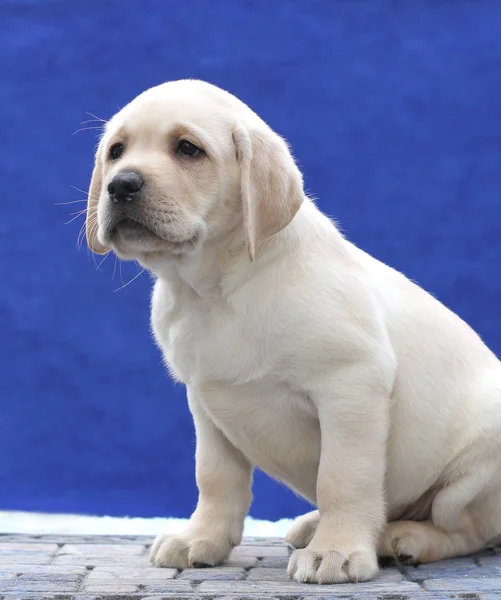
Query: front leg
[[223, 477], [353, 412]]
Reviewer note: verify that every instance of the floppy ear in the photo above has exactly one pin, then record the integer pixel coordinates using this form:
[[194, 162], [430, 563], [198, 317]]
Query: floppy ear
[[92, 200], [271, 184]]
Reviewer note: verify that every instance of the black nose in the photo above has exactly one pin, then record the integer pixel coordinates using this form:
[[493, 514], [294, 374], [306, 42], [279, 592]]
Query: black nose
[[124, 186]]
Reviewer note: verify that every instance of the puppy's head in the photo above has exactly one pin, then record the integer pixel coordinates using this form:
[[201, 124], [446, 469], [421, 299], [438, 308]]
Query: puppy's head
[[185, 163]]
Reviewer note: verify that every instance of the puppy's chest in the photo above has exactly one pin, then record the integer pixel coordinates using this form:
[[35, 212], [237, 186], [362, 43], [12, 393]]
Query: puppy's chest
[[202, 342], [275, 426]]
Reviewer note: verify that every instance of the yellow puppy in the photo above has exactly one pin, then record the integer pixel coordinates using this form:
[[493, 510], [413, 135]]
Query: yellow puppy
[[301, 354]]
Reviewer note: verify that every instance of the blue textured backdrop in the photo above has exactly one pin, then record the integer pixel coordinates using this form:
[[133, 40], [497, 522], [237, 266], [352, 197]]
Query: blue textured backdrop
[[394, 112]]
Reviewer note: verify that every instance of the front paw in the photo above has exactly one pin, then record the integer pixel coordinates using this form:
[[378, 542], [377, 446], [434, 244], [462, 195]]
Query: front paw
[[303, 529], [189, 550], [333, 566]]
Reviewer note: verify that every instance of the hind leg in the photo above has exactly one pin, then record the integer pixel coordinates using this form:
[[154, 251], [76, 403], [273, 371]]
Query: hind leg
[[411, 542], [465, 518], [302, 531]]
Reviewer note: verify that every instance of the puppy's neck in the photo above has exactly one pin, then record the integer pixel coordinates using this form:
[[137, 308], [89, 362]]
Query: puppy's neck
[[204, 270], [208, 271]]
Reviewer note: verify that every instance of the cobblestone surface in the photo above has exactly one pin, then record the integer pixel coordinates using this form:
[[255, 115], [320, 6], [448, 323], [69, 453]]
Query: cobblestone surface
[[117, 568]]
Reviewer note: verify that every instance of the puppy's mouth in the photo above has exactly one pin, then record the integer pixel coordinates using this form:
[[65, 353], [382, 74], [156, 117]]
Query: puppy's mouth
[[132, 231], [135, 233]]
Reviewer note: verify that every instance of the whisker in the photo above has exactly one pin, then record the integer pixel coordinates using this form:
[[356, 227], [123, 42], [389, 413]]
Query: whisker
[[86, 192], [97, 118], [81, 235], [93, 121], [72, 202], [79, 190], [79, 214], [129, 282], [92, 230], [94, 259], [86, 129], [101, 263]]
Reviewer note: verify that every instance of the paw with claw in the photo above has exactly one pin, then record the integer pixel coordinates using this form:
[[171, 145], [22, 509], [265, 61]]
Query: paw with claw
[[333, 566], [192, 549]]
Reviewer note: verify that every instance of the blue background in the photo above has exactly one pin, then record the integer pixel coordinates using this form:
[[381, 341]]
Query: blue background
[[394, 113]]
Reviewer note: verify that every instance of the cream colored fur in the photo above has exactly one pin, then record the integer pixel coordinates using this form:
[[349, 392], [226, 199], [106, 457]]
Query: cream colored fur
[[301, 354]]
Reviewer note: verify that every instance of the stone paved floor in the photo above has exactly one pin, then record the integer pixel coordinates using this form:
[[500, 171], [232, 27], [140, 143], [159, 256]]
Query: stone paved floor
[[117, 568]]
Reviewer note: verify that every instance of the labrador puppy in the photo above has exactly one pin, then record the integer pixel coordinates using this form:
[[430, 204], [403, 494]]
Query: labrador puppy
[[301, 354]]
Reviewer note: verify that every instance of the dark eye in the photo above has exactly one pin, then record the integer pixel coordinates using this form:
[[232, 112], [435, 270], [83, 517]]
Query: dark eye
[[116, 151], [185, 148]]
